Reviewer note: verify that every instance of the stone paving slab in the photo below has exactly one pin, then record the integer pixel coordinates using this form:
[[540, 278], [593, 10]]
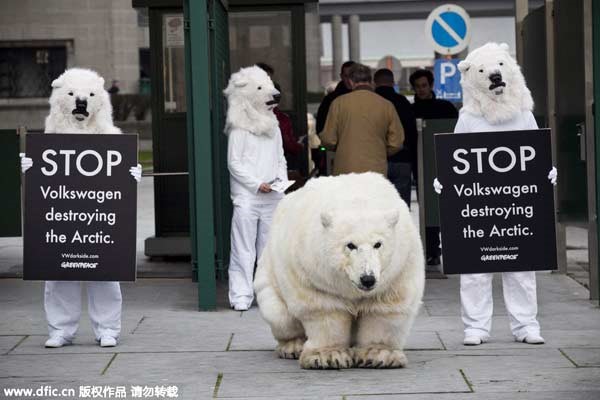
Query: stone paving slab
[[7, 343], [533, 379], [584, 357], [53, 365], [329, 383], [138, 343]]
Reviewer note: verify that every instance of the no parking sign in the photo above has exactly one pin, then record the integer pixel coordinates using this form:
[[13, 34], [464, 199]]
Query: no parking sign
[[448, 28]]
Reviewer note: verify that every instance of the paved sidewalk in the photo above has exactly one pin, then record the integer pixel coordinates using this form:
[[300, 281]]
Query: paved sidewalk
[[227, 354]]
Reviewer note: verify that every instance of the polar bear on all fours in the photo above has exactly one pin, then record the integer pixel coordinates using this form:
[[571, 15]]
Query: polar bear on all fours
[[341, 278], [79, 104]]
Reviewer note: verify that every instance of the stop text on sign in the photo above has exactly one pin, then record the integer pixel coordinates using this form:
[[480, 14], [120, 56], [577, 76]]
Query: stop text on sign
[[526, 153], [61, 161]]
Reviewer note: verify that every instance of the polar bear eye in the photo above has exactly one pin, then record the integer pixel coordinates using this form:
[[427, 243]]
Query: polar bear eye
[[501, 63], [91, 94], [260, 87], [351, 246], [481, 71], [70, 93], [377, 245]]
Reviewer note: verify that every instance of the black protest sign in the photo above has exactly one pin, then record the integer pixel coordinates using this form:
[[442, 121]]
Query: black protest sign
[[497, 204], [80, 208]]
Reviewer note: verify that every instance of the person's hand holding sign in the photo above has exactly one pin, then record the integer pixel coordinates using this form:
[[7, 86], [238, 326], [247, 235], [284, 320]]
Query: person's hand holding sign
[[26, 162]]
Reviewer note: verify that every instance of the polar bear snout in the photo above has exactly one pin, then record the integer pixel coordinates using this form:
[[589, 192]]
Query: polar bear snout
[[80, 111], [496, 79], [367, 282]]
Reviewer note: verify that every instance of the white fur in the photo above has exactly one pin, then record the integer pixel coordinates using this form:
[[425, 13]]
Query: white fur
[[307, 281], [478, 99], [79, 83], [248, 92]]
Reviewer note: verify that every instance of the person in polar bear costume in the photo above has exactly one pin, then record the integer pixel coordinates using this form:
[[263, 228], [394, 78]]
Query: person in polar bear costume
[[342, 275], [79, 104], [256, 162], [496, 98]]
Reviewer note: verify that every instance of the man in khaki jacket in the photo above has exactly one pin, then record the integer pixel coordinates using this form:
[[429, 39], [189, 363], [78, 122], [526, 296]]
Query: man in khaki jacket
[[362, 128]]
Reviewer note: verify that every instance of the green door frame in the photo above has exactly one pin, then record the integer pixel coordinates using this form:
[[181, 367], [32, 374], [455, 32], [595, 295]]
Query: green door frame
[[596, 79], [200, 151]]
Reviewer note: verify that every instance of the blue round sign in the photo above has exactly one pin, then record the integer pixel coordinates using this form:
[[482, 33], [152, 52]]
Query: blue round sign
[[448, 29]]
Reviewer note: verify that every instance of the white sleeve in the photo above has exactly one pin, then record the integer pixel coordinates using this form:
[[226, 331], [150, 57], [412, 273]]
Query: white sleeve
[[530, 122], [462, 124], [235, 151], [281, 162]]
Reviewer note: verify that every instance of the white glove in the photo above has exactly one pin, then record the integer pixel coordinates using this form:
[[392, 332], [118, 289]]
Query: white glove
[[553, 175], [136, 172], [437, 186], [26, 162]]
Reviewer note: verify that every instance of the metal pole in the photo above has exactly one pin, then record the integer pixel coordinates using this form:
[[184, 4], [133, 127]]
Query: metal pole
[[521, 11], [199, 151], [596, 123], [561, 238], [354, 37], [336, 43], [590, 155]]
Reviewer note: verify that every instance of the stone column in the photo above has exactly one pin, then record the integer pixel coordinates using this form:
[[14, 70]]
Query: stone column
[[354, 37], [336, 43]]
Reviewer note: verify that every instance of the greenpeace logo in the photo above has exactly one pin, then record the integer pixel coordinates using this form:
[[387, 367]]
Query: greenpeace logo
[[82, 265], [499, 257]]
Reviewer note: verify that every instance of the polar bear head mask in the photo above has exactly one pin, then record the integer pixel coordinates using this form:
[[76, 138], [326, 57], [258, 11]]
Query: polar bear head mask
[[251, 97], [78, 99], [493, 84]]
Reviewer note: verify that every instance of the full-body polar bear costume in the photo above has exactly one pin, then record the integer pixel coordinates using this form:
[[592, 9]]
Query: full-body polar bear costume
[[342, 275], [496, 98], [80, 104], [255, 160]]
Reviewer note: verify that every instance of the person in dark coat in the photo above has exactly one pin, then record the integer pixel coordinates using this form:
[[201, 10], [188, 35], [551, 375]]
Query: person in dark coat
[[426, 106], [401, 164], [342, 88]]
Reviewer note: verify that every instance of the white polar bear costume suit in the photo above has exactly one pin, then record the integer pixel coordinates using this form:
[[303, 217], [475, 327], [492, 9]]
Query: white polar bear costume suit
[[79, 104], [342, 275], [496, 98], [254, 156]]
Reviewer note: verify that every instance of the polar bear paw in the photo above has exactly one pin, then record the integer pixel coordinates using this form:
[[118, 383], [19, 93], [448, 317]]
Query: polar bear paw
[[290, 349], [379, 357], [326, 359]]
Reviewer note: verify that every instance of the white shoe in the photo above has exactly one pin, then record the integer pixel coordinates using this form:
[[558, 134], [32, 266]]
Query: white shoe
[[108, 341], [241, 307], [533, 339], [56, 342], [473, 340]]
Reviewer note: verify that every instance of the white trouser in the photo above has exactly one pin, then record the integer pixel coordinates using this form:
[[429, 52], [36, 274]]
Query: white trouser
[[62, 302], [249, 230], [519, 296]]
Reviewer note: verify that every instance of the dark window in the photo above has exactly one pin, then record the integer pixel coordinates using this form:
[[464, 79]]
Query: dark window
[[29, 71]]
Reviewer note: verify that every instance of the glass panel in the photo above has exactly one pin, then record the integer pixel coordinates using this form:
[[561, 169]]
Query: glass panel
[[264, 37], [174, 63]]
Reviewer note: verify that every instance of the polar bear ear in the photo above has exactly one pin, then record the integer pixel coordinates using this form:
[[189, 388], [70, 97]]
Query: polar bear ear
[[464, 66], [392, 217], [239, 82], [101, 81], [326, 220], [504, 46], [58, 82]]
